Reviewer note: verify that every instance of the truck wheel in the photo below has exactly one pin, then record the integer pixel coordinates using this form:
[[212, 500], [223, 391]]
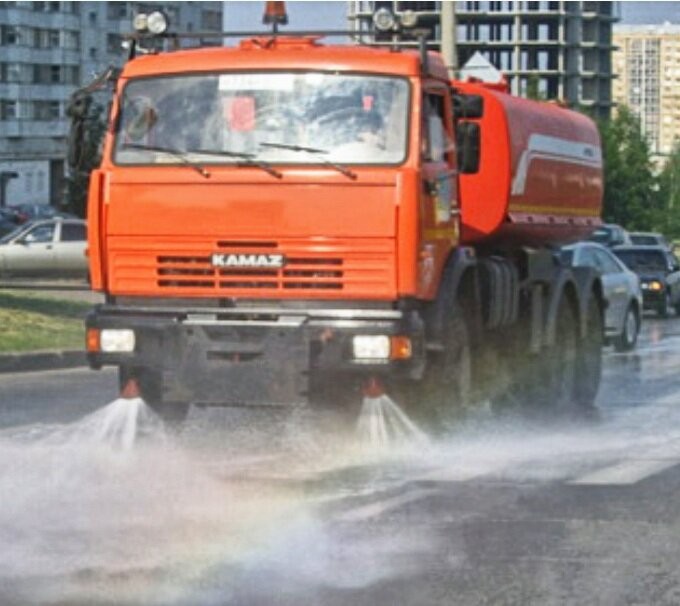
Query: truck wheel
[[558, 365], [589, 360], [629, 335], [445, 391], [173, 414]]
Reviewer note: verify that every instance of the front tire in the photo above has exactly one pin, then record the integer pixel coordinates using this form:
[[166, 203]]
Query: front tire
[[444, 394], [629, 334]]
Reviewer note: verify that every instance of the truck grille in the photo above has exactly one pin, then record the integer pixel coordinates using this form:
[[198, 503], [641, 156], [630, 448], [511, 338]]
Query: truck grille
[[331, 266]]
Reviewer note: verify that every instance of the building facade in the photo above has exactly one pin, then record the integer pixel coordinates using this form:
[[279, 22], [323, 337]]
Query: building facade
[[647, 60], [47, 50], [560, 48]]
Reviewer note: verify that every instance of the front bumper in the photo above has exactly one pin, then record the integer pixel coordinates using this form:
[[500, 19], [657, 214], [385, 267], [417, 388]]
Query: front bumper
[[253, 355]]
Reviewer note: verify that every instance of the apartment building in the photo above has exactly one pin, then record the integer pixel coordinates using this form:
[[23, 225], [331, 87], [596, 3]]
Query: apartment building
[[647, 60], [561, 48], [48, 49]]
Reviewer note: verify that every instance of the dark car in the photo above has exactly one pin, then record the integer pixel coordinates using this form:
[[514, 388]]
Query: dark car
[[610, 235], [648, 238], [659, 272]]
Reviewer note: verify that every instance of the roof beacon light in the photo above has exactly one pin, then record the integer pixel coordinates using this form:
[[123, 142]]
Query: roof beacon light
[[140, 22], [384, 20], [157, 23], [275, 13], [408, 19]]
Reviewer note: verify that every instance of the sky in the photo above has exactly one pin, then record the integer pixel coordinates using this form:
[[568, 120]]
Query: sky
[[332, 14]]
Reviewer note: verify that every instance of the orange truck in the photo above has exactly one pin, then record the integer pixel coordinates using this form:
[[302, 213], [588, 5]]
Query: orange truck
[[287, 222]]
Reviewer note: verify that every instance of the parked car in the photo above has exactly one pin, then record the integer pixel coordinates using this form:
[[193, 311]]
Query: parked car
[[48, 247], [7, 223], [648, 238], [610, 234], [622, 291], [659, 272], [29, 212]]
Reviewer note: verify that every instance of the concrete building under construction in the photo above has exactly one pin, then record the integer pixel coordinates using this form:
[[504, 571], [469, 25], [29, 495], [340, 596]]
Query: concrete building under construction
[[561, 50]]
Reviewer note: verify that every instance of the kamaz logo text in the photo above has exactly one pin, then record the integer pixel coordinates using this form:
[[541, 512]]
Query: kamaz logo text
[[248, 260]]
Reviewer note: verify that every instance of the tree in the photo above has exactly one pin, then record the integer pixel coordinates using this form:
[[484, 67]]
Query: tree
[[90, 127], [668, 215], [630, 188]]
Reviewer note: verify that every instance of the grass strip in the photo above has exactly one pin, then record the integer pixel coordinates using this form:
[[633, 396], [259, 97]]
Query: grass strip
[[32, 322]]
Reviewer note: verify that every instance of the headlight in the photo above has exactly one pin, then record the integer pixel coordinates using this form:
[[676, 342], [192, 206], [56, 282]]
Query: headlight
[[140, 22], [157, 23], [409, 19], [381, 347], [655, 285], [371, 347], [384, 20], [117, 340]]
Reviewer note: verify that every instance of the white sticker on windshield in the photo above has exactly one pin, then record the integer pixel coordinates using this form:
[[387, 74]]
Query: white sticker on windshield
[[247, 82]]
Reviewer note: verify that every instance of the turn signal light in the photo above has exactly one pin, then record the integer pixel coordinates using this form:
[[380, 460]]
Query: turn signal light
[[400, 348], [92, 342]]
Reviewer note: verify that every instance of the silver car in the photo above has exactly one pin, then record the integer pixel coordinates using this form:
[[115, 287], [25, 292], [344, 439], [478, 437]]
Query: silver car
[[622, 291], [47, 247]]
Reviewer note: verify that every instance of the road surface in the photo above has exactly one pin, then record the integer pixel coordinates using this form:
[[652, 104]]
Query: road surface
[[238, 510]]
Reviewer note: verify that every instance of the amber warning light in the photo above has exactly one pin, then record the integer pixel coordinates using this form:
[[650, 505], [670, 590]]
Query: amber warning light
[[275, 14]]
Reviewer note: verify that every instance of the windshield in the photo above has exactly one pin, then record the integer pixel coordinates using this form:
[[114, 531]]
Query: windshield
[[13, 234], [353, 119], [643, 260]]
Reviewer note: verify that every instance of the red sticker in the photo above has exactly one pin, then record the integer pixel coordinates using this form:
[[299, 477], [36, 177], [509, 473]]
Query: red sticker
[[240, 113]]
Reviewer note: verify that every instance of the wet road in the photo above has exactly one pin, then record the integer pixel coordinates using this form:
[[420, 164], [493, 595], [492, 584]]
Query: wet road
[[236, 510]]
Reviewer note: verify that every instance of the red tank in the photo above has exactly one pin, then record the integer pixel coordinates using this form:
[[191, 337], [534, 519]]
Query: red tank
[[540, 177]]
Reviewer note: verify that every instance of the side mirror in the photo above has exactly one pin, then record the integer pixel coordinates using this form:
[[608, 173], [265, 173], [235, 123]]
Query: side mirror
[[468, 139], [468, 106]]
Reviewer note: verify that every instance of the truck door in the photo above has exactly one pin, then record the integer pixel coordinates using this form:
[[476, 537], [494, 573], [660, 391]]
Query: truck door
[[439, 192]]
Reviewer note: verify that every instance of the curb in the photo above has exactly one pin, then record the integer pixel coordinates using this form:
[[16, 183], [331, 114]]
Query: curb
[[48, 360]]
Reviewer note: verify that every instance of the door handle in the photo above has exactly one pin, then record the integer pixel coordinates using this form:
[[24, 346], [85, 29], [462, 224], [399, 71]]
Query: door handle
[[48, 247]]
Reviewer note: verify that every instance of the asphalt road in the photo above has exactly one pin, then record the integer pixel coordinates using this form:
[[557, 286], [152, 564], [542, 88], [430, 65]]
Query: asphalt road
[[239, 509]]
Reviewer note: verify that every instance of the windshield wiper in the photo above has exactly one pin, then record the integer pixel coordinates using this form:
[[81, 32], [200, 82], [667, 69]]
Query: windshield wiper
[[249, 159], [313, 150], [178, 153]]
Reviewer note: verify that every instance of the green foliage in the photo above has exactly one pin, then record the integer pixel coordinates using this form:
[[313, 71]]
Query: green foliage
[[77, 182], [668, 217], [533, 91], [31, 322], [630, 188]]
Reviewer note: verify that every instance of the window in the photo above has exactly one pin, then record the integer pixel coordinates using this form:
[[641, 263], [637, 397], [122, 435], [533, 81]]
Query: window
[[116, 10], [436, 140], [9, 35], [211, 20], [73, 232], [40, 234], [113, 43], [8, 109]]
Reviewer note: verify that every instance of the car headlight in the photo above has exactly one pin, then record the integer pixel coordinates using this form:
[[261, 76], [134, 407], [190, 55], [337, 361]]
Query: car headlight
[[655, 285]]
